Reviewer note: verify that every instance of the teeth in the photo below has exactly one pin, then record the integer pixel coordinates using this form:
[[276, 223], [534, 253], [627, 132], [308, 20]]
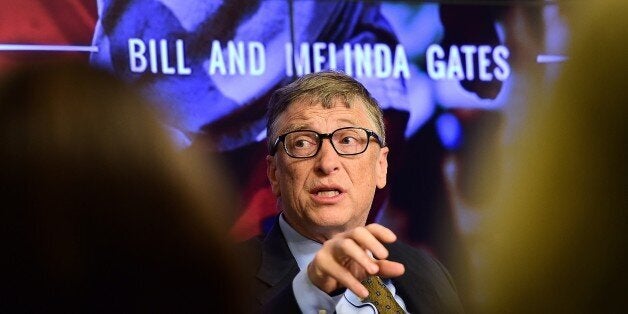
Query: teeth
[[328, 193]]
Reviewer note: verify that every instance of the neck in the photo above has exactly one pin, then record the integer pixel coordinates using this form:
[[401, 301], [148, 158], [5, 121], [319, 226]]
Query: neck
[[319, 234]]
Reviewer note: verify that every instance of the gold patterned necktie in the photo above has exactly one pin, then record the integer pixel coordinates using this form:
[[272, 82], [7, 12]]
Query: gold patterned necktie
[[380, 296]]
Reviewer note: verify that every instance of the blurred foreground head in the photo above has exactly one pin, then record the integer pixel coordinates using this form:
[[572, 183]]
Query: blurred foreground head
[[557, 240], [100, 212]]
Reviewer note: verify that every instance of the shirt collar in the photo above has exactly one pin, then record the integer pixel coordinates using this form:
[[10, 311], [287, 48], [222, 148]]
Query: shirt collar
[[302, 248]]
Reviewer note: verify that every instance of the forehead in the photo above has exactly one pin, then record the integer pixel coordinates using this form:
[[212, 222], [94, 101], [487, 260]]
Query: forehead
[[303, 114]]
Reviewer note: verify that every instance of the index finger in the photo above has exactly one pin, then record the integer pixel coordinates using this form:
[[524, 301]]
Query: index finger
[[371, 238], [382, 233]]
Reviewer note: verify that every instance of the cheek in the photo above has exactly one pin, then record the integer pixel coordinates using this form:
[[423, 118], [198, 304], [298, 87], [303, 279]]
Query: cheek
[[364, 174], [291, 180]]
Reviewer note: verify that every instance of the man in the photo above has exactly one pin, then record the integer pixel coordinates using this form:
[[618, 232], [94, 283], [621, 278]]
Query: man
[[327, 158]]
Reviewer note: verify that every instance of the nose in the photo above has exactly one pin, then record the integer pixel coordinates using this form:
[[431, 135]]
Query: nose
[[328, 160]]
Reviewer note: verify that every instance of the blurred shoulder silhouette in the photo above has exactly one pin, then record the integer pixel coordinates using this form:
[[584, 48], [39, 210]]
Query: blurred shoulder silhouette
[[557, 237], [101, 213]]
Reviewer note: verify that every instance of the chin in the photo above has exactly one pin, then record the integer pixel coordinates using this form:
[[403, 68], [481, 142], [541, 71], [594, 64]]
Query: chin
[[338, 223]]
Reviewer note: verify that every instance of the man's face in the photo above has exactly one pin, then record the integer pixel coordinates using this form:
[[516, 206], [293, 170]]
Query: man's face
[[328, 193]]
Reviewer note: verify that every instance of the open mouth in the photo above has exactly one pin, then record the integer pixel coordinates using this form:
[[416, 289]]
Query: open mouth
[[327, 193]]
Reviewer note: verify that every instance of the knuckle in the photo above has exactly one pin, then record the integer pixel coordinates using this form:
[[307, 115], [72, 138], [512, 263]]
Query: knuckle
[[346, 244], [321, 257], [360, 231]]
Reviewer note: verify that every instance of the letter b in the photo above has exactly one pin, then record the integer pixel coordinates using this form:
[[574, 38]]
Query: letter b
[[137, 60]]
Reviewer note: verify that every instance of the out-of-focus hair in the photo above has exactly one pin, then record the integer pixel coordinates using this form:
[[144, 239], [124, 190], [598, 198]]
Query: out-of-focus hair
[[324, 88], [100, 212], [556, 240]]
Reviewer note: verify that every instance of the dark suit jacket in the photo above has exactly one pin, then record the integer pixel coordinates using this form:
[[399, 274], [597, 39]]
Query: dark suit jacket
[[425, 287]]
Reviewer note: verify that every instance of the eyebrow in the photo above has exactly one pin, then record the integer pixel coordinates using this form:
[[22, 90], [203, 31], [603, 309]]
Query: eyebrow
[[303, 126], [295, 127]]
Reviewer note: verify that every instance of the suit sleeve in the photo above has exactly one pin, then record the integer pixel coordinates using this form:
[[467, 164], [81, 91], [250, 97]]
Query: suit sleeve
[[283, 302]]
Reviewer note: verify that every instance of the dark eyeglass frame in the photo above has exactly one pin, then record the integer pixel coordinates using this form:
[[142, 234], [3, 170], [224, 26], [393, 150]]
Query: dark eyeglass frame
[[322, 136]]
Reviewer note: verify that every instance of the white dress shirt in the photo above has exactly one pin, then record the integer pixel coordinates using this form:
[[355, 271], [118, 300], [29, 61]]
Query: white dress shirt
[[313, 300]]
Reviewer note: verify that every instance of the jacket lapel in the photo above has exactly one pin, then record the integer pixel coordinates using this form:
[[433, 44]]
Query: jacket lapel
[[278, 266]]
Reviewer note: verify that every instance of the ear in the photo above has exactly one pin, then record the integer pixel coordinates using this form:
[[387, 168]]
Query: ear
[[271, 173], [381, 169]]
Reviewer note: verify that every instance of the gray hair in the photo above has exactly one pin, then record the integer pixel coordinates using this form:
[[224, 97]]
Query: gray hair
[[323, 87]]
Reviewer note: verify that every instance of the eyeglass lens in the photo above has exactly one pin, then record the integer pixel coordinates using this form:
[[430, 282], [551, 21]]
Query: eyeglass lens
[[346, 141]]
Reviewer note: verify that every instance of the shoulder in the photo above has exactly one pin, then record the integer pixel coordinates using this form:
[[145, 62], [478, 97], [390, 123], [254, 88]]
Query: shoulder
[[251, 250], [252, 244]]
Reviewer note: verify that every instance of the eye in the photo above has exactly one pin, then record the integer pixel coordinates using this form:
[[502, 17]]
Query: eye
[[303, 142], [348, 140], [348, 137]]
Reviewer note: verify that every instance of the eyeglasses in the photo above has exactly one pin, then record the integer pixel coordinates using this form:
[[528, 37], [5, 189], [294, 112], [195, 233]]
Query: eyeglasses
[[345, 141]]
